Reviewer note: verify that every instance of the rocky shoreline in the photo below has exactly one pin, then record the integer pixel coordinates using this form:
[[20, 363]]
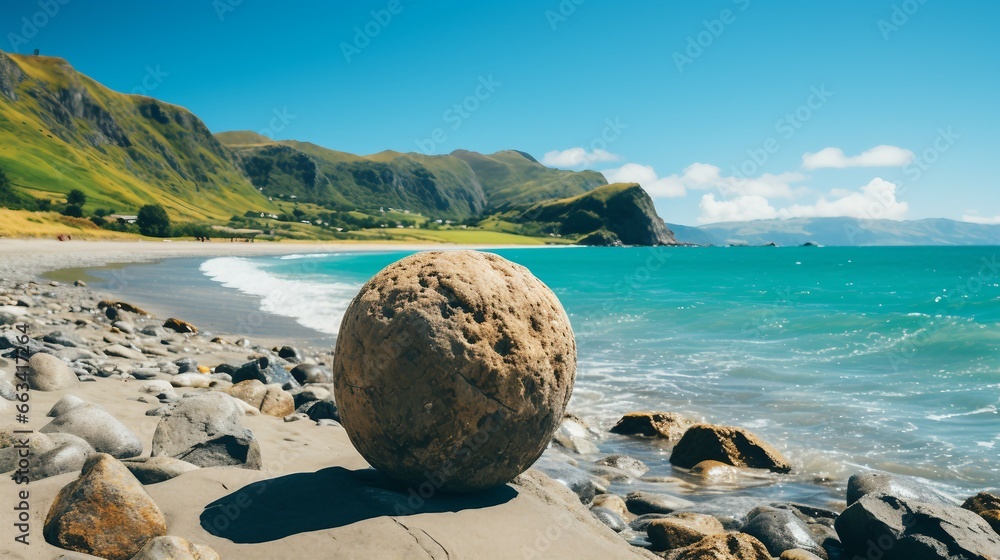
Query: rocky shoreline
[[178, 429]]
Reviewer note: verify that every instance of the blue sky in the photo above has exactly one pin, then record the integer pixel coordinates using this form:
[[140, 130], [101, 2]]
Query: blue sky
[[713, 105]]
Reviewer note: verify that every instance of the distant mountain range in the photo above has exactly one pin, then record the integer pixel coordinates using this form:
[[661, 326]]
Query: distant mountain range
[[840, 231]]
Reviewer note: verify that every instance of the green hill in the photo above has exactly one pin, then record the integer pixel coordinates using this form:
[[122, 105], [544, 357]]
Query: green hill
[[458, 186], [618, 214], [61, 131]]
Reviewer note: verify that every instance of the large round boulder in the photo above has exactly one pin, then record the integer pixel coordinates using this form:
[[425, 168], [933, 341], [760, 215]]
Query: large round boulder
[[453, 369]]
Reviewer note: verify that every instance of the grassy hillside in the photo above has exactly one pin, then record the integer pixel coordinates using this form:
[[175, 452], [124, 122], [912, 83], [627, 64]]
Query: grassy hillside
[[60, 130], [621, 213], [21, 223], [459, 186], [511, 178]]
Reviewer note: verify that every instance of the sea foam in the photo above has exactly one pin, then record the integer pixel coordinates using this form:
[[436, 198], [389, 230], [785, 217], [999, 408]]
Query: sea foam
[[319, 305]]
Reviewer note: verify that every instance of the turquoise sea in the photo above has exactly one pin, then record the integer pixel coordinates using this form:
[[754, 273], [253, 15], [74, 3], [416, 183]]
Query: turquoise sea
[[846, 359]]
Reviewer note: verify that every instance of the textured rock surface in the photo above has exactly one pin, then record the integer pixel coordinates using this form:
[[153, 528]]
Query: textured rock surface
[[667, 425], [311, 373], [611, 502], [781, 530], [630, 465], [151, 470], [574, 434], [105, 512], [98, 428], [887, 484], [682, 529], [265, 369], [49, 373], [987, 506], [728, 546], [903, 530], [206, 430], [178, 325], [175, 548], [733, 446], [269, 400], [456, 363]]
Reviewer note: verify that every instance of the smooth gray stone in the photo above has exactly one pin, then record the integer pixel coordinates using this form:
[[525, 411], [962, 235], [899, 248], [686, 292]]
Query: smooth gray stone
[[610, 518], [99, 428], [206, 430], [641, 503], [781, 530]]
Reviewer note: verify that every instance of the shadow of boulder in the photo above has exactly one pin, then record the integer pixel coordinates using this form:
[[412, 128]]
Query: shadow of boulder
[[276, 508]]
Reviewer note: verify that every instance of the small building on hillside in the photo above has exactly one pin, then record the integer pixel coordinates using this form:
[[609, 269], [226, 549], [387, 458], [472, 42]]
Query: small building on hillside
[[124, 218]]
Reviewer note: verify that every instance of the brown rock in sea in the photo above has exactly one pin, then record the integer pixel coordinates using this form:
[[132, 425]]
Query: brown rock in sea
[[268, 399], [726, 546], [612, 502], [987, 506], [177, 325], [667, 425], [122, 306], [105, 512], [175, 548], [456, 365], [733, 446], [798, 554], [682, 529]]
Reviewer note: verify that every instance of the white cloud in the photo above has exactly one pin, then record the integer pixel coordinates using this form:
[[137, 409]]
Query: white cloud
[[879, 156], [645, 175], [739, 209], [985, 220], [577, 157], [876, 200], [703, 176]]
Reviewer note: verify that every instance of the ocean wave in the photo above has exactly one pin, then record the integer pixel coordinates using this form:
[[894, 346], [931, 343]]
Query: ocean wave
[[985, 410], [316, 305]]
